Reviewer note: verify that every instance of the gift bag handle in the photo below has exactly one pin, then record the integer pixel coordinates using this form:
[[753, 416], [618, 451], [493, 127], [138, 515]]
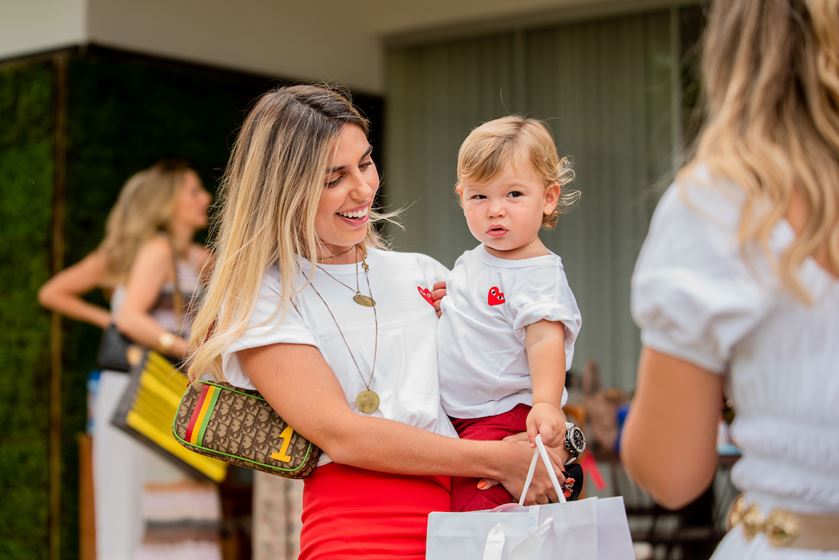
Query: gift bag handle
[[540, 451]]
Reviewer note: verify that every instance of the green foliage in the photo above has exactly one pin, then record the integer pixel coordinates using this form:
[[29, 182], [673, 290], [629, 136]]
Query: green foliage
[[26, 184], [127, 112]]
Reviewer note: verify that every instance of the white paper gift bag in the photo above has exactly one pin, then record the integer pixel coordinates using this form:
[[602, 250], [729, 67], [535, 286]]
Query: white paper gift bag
[[590, 529]]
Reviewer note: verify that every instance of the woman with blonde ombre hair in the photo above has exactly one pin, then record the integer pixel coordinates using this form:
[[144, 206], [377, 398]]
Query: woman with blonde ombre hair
[[149, 234], [139, 214], [737, 285], [135, 217], [339, 334]]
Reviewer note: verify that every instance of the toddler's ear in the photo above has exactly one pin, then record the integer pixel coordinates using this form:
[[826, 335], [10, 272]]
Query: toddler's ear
[[458, 190], [552, 193]]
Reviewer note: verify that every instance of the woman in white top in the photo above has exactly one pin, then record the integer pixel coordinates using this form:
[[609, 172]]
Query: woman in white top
[[736, 287], [338, 334]]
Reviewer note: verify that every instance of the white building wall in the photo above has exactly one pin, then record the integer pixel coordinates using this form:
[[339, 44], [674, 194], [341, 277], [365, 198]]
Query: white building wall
[[32, 26], [328, 40]]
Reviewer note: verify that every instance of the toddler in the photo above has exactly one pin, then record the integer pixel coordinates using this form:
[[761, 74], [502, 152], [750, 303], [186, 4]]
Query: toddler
[[509, 319]]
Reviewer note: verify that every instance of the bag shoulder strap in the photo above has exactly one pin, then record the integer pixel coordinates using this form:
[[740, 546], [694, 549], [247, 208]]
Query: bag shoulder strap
[[177, 295]]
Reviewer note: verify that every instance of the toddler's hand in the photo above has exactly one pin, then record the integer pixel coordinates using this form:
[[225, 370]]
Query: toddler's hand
[[548, 421], [438, 292]]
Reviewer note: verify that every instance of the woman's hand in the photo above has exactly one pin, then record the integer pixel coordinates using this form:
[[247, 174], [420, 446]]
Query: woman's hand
[[438, 292], [541, 490]]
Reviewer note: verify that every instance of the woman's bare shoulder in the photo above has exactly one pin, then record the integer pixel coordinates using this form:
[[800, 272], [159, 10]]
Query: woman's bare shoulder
[[200, 255], [156, 253]]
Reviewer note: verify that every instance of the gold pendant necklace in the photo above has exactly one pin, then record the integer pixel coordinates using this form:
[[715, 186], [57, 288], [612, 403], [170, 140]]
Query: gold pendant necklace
[[364, 301], [367, 400], [358, 297]]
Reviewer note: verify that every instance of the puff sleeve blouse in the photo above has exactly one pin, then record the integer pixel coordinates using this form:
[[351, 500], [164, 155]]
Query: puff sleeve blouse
[[698, 296]]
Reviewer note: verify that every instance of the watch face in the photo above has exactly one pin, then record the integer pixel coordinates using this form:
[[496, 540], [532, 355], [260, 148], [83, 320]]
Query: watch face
[[575, 440]]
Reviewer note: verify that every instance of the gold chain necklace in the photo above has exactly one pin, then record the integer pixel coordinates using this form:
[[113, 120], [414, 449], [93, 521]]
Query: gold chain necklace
[[367, 400], [344, 252], [358, 297]]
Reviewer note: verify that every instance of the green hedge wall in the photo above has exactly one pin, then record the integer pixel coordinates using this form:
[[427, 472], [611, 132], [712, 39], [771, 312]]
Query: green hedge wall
[[26, 179]]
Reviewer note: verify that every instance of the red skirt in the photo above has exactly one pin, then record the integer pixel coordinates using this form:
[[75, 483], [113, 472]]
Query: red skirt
[[356, 513]]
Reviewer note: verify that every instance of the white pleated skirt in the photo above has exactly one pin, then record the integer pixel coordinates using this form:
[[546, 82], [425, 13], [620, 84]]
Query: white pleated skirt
[[145, 506]]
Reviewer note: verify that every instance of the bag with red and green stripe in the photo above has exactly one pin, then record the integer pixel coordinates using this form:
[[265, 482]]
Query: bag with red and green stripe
[[239, 427]]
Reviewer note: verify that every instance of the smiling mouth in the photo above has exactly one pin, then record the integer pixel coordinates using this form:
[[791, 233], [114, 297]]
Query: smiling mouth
[[355, 214], [359, 215]]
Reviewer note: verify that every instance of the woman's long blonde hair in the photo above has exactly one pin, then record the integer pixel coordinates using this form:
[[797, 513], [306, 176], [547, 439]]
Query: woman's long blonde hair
[[143, 209], [771, 86], [269, 197]]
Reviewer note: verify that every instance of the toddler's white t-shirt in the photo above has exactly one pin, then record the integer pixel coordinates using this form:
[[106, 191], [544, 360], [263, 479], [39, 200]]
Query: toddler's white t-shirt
[[489, 302]]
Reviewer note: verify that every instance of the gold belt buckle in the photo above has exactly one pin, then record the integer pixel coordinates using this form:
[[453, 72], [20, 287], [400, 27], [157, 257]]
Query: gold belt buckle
[[780, 527]]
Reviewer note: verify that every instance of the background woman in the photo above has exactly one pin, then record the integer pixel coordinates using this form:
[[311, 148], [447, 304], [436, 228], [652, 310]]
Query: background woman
[[737, 284], [337, 333], [159, 210], [178, 517]]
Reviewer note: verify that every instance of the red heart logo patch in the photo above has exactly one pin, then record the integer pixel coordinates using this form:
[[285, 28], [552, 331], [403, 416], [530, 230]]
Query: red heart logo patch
[[495, 296], [426, 295]]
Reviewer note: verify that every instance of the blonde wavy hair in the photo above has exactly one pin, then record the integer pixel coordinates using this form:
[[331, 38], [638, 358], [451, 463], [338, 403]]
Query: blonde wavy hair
[[268, 201], [771, 87], [498, 143], [143, 209]]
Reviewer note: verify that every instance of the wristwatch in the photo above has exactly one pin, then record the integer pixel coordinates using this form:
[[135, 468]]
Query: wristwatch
[[575, 441]]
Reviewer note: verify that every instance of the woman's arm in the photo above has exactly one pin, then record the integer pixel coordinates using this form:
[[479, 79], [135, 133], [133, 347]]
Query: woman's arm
[[152, 268], [62, 293], [669, 442], [301, 387]]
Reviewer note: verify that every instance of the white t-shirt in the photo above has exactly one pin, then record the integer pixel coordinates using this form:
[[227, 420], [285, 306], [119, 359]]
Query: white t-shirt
[[489, 302], [406, 367]]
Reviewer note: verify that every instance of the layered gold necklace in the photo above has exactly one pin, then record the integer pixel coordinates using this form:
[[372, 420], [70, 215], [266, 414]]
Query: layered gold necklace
[[358, 297], [367, 401]]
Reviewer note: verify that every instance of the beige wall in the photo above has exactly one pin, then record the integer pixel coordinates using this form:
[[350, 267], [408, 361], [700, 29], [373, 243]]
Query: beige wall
[[316, 39], [31, 26], [332, 40]]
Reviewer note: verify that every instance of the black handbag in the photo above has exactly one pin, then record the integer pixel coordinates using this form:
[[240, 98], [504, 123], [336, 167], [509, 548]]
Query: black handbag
[[117, 352]]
